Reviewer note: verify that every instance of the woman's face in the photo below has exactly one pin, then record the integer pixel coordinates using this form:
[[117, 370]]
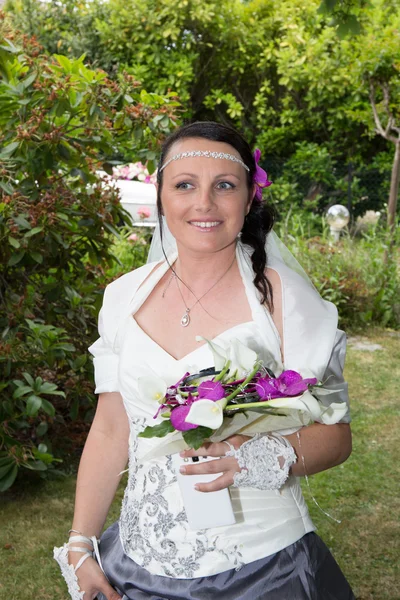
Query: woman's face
[[204, 200]]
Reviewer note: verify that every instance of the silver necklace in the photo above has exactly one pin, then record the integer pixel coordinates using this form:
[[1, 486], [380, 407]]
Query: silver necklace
[[185, 320]]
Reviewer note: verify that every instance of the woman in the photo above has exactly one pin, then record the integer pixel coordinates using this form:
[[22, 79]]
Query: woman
[[220, 287]]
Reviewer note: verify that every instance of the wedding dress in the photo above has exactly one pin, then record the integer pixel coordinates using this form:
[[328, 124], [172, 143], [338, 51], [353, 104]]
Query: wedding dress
[[271, 549]]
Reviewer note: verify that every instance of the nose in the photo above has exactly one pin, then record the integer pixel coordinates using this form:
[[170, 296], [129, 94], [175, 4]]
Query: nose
[[205, 200]]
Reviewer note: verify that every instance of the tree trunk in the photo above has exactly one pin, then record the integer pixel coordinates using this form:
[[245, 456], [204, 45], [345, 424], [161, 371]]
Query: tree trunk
[[394, 189]]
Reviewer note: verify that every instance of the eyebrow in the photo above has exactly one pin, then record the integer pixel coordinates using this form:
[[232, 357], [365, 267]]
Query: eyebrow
[[196, 176]]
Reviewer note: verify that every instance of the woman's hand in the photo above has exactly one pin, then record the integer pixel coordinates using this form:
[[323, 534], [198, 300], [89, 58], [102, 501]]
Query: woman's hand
[[91, 578], [228, 466]]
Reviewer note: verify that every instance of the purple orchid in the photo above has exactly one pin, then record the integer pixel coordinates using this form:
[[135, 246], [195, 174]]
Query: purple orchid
[[178, 416], [289, 383], [211, 390], [260, 176]]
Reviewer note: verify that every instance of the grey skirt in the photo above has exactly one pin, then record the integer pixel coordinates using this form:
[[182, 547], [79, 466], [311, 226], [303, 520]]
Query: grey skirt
[[305, 570]]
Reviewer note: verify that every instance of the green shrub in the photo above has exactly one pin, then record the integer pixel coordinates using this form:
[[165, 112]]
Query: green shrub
[[130, 250], [60, 122], [352, 273]]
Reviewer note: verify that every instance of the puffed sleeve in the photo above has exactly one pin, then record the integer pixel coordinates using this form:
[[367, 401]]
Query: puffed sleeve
[[333, 376], [105, 358]]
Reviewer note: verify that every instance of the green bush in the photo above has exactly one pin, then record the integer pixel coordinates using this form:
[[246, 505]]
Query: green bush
[[352, 273], [60, 122], [130, 250]]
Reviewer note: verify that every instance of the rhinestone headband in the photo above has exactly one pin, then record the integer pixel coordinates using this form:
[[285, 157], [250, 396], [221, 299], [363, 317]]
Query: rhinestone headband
[[207, 154]]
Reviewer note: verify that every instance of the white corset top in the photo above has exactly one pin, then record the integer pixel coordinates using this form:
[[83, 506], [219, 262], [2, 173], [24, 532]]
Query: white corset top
[[153, 526]]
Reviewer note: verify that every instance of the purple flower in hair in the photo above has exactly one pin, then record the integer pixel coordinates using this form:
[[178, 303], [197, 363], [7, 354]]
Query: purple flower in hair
[[260, 176]]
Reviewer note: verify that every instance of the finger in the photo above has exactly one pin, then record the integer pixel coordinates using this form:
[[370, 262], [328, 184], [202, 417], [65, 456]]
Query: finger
[[218, 484], [214, 449], [109, 592], [219, 465]]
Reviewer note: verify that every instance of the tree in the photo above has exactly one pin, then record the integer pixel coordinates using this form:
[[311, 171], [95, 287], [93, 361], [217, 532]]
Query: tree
[[60, 122], [277, 71]]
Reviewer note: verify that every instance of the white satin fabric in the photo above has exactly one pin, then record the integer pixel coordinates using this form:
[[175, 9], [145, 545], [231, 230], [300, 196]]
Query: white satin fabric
[[153, 528]]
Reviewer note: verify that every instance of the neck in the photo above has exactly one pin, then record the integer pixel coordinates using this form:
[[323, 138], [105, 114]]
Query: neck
[[198, 270]]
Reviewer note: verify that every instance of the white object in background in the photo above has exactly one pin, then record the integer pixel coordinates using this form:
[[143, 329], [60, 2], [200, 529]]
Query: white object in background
[[368, 220], [140, 200], [337, 217], [204, 510]]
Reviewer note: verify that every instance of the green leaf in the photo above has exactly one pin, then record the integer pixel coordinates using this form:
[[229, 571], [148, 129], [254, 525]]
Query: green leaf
[[33, 405], [37, 257], [63, 151], [10, 48], [6, 187], [36, 465], [22, 222], [48, 407], [41, 429], [160, 430], [8, 150], [74, 410], [22, 391], [13, 242], [8, 479], [26, 375], [350, 26], [47, 388], [29, 80], [33, 231], [6, 466], [327, 6], [111, 229], [64, 62], [79, 362], [16, 258], [5, 459], [195, 437]]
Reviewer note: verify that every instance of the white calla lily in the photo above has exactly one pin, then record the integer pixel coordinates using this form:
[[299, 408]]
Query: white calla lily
[[152, 388], [207, 413], [219, 353], [307, 403], [333, 413], [242, 359]]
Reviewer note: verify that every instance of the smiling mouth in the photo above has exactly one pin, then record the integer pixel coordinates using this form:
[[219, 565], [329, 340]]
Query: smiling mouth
[[205, 224]]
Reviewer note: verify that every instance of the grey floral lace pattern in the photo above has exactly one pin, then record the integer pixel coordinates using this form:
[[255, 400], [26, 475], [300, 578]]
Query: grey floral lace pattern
[[259, 460], [153, 524]]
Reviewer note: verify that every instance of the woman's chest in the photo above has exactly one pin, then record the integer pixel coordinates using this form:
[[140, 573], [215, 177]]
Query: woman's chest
[[173, 322]]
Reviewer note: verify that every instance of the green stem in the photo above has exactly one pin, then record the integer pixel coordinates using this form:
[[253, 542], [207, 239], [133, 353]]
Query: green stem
[[223, 372], [248, 405], [241, 387], [186, 394]]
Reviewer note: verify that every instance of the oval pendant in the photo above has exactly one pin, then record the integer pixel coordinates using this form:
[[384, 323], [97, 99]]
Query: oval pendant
[[185, 320]]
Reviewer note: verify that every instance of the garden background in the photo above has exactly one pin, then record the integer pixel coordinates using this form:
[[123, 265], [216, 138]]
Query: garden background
[[87, 86]]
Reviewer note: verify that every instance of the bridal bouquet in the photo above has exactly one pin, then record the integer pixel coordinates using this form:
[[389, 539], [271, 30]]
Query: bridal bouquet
[[199, 403]]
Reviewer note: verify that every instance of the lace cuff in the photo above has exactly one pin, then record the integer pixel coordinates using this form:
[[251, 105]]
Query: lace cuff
[[258, 459], [68, 572]]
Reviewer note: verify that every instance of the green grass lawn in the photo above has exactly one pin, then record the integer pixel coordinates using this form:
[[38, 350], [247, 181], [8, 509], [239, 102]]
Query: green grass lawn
[[362, 493]]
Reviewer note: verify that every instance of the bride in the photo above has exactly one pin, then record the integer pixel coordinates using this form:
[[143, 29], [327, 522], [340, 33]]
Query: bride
[[223, 277]]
